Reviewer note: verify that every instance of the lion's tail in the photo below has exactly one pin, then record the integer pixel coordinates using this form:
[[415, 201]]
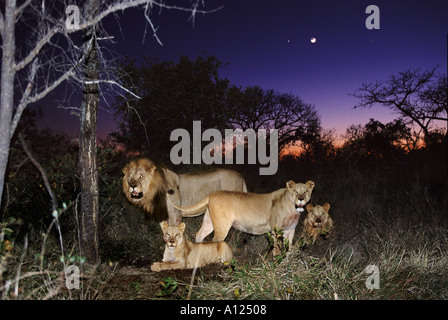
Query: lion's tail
[[191, 211], [244, 186]]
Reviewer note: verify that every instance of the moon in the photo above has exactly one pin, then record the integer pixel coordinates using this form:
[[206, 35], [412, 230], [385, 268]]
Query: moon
[[313, 40]]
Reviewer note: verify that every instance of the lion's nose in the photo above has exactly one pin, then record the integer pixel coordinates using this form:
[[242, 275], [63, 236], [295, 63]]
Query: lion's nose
[[301, 198], [318, 220], [132, 185]]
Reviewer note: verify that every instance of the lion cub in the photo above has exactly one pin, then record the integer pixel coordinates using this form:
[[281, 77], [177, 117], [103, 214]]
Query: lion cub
[[318, 222], [180, 253]]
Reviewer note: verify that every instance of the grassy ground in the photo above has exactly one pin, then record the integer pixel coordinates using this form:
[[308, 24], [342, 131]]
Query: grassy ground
[[394, 217]]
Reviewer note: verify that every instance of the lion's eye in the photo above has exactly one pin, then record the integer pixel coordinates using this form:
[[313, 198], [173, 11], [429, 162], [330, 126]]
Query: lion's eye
[[141, 176]]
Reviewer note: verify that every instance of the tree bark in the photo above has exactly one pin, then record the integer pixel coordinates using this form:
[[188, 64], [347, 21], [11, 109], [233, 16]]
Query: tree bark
[[7, 86], [87, 144]]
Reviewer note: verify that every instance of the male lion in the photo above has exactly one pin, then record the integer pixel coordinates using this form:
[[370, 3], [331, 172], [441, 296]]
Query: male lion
[[250, 212], [318, 222], [180, 253], [145, 185]]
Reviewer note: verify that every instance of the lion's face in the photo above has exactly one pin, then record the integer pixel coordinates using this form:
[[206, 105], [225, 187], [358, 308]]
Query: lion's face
[[137, 179], [172, 235], [318, 215], [300, 193]]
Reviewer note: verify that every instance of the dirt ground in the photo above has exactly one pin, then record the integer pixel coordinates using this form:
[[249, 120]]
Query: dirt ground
[[137, 282], [134, 280]]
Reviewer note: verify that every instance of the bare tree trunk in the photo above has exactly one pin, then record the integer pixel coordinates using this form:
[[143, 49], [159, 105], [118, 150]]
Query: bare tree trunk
[[87, 143], [7, 85], [52, 22]]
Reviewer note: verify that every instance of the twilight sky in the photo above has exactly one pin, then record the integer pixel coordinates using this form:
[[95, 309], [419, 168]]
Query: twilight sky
[[267, 43]]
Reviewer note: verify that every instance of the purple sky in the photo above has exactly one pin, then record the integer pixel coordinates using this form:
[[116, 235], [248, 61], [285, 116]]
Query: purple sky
[[267, 43]]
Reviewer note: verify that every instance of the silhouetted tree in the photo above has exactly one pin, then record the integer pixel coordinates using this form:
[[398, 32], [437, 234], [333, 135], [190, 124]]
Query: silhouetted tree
[[256, 108], [173, 95], [321, 146], [377, 140], [420, 97]]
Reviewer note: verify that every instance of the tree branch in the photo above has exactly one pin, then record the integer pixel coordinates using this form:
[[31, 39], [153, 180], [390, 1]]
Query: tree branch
[[111, 82], [2, 24], [23, 101], [37, 48], [50, 191], [22, 7], [70, 73], [60, 26]]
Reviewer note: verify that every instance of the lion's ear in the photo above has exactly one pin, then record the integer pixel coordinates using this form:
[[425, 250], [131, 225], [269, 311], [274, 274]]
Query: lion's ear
[[151, 169], [290, 184], [181, 227], [164, 225], [125, 170], [310, 184], [326, 207], [309, 207]]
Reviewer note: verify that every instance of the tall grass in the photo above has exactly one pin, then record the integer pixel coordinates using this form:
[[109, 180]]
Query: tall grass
[[390, 217], [412, 264], [390, 214]]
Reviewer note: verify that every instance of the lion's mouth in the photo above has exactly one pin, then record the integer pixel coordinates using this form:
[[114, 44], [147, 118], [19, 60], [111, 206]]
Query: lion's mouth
[[317, 223], [299, 207], [136, 195]]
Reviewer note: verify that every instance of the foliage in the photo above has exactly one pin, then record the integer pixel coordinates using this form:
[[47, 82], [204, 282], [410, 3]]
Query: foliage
[[378, 140], [168, 286], [7, 237], [256, 108], [173, 96], [26, 196], [276, 240]]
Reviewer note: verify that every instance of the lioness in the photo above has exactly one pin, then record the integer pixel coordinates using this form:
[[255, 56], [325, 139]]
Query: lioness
[[250, 212], [145, 185], [180, 253], [318, 222]]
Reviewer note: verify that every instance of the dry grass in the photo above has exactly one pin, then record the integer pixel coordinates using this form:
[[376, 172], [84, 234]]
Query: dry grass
[[387, 217], [411, 266], [400, 226]]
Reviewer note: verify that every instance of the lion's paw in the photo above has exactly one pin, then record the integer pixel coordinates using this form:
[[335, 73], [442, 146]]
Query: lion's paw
[[156, 267]]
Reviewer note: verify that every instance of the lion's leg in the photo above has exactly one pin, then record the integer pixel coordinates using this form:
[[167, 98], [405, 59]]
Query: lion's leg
[[225, 252], [174, 215], [222, 228], [170, 265], [290, 236], [290, 228], [206, 229]]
